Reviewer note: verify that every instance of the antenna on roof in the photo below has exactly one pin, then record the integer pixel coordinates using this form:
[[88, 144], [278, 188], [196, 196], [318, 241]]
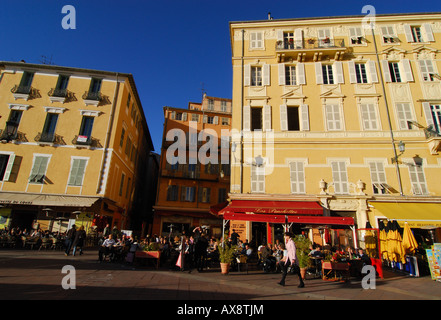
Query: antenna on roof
[[269, 16], [46, 60], [204, 92]]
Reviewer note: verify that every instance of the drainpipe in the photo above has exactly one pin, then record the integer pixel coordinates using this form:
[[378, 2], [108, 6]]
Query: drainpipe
[[241, 110], [108, 134], [397, 168]]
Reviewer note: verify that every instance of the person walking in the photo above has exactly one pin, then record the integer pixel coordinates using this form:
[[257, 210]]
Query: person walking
[[78, 242], [290, 260], [70, 236]]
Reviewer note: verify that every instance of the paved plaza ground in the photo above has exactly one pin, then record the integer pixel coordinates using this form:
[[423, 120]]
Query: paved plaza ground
[[37, 275]]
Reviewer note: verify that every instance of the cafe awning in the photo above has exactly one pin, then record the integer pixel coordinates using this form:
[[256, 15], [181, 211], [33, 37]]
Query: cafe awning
[[301, 212], [273, 207], [417, 215], [38, 199]]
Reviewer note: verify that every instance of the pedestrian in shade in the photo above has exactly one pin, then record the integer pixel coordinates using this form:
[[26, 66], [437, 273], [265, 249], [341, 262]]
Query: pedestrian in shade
[[70, 237], [78, 242]]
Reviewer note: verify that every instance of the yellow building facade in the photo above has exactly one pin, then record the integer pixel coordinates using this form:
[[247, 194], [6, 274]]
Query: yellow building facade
[[329, 110], [73, 141]]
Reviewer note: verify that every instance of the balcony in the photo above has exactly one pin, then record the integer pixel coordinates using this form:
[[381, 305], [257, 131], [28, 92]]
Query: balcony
[[310, 49], [24, 92], [92, 98], [47, 138], [86, 142], [57, 95]]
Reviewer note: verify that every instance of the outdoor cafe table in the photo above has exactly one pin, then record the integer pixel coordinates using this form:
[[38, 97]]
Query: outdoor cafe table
[[334, 271], [149, 255]]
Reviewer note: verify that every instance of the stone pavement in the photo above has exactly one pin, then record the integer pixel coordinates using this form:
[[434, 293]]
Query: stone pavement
[[37, 275]]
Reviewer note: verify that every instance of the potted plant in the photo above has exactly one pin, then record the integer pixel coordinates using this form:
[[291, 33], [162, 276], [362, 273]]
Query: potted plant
[[303, 246], [226, 255]]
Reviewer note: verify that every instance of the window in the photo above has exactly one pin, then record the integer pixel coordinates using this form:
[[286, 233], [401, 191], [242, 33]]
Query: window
[[290, 76], [340, 177], [288, 40], [128, 100], [95, 85], [328, 77], [356, 35], [204, 195], [210, 104], [25, 83], [128, 146], [188, 194], [333, 118], [436, 117], [121, 185], [257, 179], [324, 38], [225, 121], [297, 175], [293, 118], [48, 134], [210, 120], [178, 116], [394, 71], [256, 119], [222, 195], [256, 76], [389, 34], [172, 193], [121, 140], [4, 159], [360, 72], [256, 40], [15, 117], [417, 180], [223, 106], [86, 129], [369, 116], [39, 168], [211, 168], [404, 113], [378, 177], [427, 70], [77, 172], [397, 71], [194, 117], [416, 34]]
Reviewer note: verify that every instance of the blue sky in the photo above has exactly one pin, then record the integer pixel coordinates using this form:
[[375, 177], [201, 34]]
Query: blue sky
[[173, 48]]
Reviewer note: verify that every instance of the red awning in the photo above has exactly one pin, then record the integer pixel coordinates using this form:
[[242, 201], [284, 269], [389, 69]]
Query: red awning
[[325, 220], [273, 207], [255, 217]]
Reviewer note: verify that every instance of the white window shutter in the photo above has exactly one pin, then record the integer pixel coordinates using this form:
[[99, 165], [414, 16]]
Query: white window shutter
[[300, 73], [407, 69], [352, 74], [338, 71], [205, 119], [216, 120], [282, 78], [386, 71], [247, 75], [279, 35], [184, 116], [246, 118], [427, 32], [9, 167], [304, 113], [266, 74], [267, 117], [318, 73], [298, 38], [283, 117], [428, 113], [408, 33], [372, 71]]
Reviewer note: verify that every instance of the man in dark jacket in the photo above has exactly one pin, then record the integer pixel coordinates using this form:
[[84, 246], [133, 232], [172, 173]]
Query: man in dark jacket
[[70, 236]]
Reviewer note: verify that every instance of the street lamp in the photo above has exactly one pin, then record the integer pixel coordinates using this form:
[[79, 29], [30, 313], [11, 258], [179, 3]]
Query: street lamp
[[10, 131]]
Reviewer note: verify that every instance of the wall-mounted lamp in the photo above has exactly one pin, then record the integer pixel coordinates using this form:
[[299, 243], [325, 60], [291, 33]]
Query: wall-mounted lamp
[[10, 131], [401, 148]]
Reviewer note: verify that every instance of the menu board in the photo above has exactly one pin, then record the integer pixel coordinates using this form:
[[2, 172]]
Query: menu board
[[434, 260]]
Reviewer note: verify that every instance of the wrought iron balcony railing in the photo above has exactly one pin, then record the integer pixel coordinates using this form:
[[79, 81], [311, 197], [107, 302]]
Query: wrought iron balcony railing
[[56, 92], [312, 43], [89, 95]]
